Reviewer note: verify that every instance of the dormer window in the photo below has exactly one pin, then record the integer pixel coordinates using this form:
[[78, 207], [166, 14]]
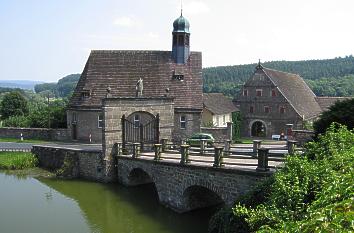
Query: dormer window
[[85, 94], [177, 76]]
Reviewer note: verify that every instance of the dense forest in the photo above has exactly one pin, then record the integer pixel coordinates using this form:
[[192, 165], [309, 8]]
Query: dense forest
[[63, 88], [330, 77]]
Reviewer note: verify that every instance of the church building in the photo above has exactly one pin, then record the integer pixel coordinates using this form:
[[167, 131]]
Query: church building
[[145, 94]]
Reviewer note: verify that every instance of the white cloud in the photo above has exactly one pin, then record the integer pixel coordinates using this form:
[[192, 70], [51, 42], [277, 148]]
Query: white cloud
[[153, 35], [195, 7], [125, 21]]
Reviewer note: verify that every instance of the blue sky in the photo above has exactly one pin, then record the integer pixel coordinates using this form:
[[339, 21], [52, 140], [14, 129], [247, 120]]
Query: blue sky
[[46, 40]]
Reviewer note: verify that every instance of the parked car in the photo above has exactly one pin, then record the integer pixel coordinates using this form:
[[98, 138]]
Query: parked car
[[195, 139]]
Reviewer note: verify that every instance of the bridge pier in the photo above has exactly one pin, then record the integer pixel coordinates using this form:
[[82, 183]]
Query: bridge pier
[[184, 188]]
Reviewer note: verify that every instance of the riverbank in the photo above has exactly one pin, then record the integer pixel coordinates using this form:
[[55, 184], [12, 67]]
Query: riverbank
[[17, 160], [34, 172]]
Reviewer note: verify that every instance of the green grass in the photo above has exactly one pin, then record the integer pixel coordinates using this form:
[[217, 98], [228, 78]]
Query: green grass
[[24, 140], [17, 160]]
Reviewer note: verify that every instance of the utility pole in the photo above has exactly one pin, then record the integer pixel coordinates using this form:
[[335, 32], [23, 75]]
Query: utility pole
[[48, 95]]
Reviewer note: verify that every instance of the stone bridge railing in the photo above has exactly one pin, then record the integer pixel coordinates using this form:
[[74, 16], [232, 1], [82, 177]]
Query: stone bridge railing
[[189, 178]]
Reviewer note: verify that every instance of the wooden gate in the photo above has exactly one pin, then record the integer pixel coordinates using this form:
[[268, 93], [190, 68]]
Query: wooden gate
[[147, 133]]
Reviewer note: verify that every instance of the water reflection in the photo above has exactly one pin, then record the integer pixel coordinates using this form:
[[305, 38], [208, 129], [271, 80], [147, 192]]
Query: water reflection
[[81, 206]]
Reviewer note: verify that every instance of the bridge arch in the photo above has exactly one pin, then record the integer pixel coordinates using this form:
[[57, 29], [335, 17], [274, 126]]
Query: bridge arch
[[138, 176], [197, 196]]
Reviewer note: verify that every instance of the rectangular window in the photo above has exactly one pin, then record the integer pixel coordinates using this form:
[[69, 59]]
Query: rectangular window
[[224, 119], [267, 109], [282, 110], [100, 121], [245, 92], [274, 93], [136, 121], [251, 109], [259, 92], [74, 118], [183, 122]]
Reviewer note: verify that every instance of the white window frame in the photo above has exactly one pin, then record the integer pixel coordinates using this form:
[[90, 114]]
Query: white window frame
[[100, 121], [74, 118], [269, 109], [245, 91], [181, 122]]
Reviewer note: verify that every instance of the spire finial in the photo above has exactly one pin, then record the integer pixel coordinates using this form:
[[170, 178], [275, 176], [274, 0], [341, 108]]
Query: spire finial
[[259, 66], [181, 8]]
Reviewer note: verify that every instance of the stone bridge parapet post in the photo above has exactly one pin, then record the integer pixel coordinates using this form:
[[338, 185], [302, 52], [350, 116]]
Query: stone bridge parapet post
[[184, 154]]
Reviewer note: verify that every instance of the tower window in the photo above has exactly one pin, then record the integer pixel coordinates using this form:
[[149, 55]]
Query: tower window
[[187, 40], [274, 93], [245, 92], [180, 40], [251, 109], [174, 40]]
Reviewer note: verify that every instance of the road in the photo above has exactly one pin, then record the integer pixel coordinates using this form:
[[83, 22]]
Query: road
[[28, 146]]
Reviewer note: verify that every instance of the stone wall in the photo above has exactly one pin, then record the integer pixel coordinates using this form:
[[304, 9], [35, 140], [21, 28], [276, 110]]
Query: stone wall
[[73, 163], [36, 133], [173, 180], [113, 110], [303, 136], [86, 124], [193, 122], [219, 133]]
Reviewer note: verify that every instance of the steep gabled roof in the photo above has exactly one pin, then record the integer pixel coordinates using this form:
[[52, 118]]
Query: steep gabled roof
[[218, 104], [325, 101], [296, 91], [121, 69]]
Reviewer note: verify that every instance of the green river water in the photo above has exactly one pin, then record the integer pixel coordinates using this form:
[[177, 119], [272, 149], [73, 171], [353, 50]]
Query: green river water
[[43, 205]]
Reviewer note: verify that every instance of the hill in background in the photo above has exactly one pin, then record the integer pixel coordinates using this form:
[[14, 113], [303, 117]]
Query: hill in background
[[23, 84], [63, 88], [330, 77]]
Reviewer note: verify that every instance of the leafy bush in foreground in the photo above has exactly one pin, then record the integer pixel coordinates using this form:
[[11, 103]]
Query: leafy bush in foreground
[[314, 192]]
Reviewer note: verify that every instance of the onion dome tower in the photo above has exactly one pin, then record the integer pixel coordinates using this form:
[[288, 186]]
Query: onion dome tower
[[180, 40]]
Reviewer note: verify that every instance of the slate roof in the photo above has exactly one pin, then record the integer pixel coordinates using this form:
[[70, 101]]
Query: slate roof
[[121, 69], [218, 104], [325, 101], [296, 91]]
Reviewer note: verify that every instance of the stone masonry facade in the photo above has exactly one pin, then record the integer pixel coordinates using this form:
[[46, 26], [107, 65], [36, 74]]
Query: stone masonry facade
[[173, 180], [113, 110]]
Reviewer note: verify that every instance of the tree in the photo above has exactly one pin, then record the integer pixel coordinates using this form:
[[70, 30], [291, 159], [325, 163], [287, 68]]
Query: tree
[[13, 104], [341, 112]]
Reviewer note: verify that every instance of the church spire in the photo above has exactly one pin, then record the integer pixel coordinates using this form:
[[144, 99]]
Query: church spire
[[180, 39]]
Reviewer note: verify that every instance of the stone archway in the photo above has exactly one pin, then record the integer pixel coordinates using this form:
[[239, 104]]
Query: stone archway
[[196, 197], [258, 129], [138, 176]]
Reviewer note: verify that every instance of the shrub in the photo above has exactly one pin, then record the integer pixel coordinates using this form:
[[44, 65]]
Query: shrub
[[314, 192]]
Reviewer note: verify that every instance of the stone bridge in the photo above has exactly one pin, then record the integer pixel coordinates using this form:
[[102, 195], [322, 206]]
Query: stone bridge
[[187, 187]]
